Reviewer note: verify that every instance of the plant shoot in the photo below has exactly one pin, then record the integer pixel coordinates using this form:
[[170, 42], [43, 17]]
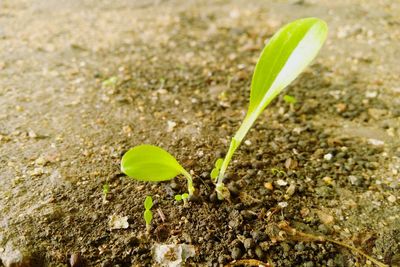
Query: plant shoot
[[148, 214], [285, 56]]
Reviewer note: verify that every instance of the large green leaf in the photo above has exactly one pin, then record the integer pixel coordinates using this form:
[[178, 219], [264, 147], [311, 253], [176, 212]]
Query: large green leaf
[[150, 163], [288, 52]]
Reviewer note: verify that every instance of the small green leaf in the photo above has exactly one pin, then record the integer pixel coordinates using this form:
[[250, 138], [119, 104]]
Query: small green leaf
[[289, 99], [178, 197], [148, 203], [110, 81], [148, 216], [185, 196], [106, 188], [214, 173], [150, 163], [218, 163]]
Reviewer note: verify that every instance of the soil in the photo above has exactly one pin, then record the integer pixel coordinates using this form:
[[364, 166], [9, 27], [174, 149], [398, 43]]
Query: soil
[[81, 82]]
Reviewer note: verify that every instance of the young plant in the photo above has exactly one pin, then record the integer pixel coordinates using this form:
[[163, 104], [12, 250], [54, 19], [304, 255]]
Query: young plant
[[153, 164], [148, 214], [285, 56]]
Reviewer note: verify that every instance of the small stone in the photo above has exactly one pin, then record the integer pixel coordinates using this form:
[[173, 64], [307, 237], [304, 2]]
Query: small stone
[[259, 236], [376, 142], [247, 214], [75, 260], [327, 180], [269, 186], [249, 243], [247, 143], [118, 222], [170, 126], [325, 218], [259, 252], [283, 204], [281, 182], [32, 134], [291, 189], [341, 107], [391, 198], [213, 197], [11, 256], [236, 253], [328, 156], [233, 189]]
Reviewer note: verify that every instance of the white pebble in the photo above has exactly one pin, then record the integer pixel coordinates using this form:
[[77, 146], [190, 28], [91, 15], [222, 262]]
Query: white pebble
[[328, 156], [281, 182], [247, 143], [283, 204]]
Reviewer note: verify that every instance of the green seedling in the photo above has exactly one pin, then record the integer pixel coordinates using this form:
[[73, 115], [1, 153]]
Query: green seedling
[[106, 190], [153, 164], [289, 99], [148, 214], [285, 56], [278, 172]]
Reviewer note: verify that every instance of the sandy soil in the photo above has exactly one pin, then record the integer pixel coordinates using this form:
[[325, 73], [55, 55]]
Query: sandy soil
[[83, 81]]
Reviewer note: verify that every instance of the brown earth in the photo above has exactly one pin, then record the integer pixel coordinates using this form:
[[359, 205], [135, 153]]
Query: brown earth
[[63, 130]]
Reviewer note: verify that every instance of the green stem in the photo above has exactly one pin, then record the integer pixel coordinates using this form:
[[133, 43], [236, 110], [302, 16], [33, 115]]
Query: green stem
[[189, 182]]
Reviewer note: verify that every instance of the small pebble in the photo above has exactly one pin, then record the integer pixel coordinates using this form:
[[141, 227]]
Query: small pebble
[[281, 182], [269, 186], [259, 252], [328, 156], [249, 243], [391, 198], [236, 253], [247, 143], [75, 260]]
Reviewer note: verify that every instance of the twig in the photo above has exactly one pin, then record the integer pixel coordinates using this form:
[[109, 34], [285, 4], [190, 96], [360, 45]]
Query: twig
[[248, 262], [309, 237]]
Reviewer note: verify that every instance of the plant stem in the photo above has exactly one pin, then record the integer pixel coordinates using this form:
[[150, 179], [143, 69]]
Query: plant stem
[[189, 182]]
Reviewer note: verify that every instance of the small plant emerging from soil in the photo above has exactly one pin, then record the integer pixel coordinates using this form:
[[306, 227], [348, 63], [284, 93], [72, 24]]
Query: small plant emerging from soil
[[285, 56], [148, 214], [153, 164]]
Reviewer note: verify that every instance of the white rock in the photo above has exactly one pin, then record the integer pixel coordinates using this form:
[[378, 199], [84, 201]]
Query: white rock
[[328, 156], [376, 142], [173, 255], [118, 222]]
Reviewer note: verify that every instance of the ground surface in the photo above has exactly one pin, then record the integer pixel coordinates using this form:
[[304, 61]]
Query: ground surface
[[188, 63]]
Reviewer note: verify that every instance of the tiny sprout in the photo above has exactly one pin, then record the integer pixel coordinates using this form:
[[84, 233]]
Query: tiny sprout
[[183, 197], [285, 56], [112, 81], [278, 172], [289, 99], [148, 214], [106, 190], [215, 171], [153, 164]]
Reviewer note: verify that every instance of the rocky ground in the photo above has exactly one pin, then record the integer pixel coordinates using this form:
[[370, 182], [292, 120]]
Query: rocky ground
[[83, 81]]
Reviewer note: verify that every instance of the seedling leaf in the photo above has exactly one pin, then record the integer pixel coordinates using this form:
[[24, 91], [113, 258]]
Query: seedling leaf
[[153, 164], [148, 203], [150, 163], [214, 173], [178, 197], [218, 163], [289, 99]]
